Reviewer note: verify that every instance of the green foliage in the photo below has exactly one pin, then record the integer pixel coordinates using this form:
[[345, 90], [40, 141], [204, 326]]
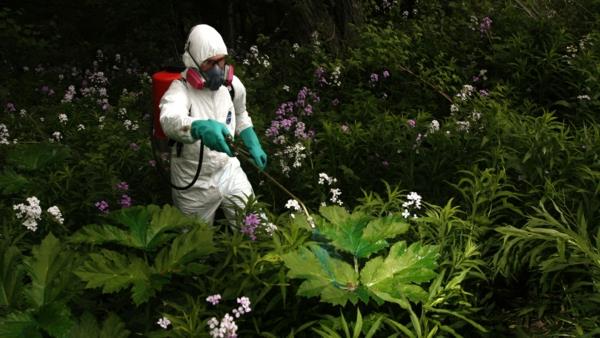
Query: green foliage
[[487, 109], [164, 241], [50, 272], [12, 274], [563, 247], [392, 279], [87, 327]]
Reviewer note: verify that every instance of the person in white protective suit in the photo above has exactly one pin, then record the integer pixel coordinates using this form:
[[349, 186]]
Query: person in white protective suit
[[197, 108]]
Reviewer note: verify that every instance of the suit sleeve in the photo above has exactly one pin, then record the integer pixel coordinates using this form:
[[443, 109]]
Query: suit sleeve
[[242, 118], [174, 113]]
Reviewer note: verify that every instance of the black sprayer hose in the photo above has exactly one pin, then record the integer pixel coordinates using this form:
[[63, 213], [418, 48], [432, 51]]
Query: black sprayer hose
[[162, 174]]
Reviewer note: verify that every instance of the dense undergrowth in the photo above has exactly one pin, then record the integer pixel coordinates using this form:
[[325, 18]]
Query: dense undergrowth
[[449, 158]]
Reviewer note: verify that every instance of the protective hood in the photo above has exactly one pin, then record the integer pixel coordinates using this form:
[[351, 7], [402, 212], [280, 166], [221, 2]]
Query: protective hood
[[203, 42]]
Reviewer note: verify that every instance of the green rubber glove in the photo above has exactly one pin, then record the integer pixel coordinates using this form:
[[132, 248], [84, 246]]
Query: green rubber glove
[[251, 141], [212, 134]]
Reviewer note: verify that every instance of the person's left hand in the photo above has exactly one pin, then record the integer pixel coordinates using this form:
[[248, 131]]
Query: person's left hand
[[251, 141]]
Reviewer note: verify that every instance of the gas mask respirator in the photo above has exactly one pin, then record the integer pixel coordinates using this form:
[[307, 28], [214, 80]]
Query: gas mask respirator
[[212, 79]]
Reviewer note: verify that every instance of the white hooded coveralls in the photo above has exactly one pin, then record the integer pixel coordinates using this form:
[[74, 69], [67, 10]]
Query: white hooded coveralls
[[222, 181]]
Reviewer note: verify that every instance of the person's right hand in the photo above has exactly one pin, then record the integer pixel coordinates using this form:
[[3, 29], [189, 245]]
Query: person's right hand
[[212, 133]]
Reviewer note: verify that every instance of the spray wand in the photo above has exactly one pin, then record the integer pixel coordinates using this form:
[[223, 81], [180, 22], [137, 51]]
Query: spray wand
[[238, 152]]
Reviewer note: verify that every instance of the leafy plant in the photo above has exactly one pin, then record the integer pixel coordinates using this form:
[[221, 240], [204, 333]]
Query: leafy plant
[[50, 271], [394, 278], [159, 243]]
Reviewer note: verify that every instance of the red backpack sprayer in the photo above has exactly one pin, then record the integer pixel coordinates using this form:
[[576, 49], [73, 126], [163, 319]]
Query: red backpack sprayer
[[161, 81]]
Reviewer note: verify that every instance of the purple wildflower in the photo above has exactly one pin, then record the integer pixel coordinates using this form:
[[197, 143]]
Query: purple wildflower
[[308, 109], [125, 201], [10, 107], [374, 77], [251, 223], [214, 299], [411, 123], [134, 146], [485, 25], [122, 186], [102, 206]]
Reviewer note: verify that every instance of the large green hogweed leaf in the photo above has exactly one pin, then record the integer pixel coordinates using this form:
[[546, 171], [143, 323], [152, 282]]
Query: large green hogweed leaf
[[334, 280], [358, 234], [396, 277]]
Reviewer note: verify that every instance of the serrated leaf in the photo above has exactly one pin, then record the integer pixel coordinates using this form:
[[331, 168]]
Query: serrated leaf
[[100, 234], [55, 318], [334, 280], [334, 214], [394, 277], [112, 271], [144, 287], [48, 268], [385, 227], [19, 325], [145, 226], [186, 247], [346, 231], [168, 218], [137, 220]]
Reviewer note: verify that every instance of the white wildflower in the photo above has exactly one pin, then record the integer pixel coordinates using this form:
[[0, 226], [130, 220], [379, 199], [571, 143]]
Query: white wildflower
[[4, 135], [62, 118], [164, 322], [30, 213], [293, 205], [56, 214]]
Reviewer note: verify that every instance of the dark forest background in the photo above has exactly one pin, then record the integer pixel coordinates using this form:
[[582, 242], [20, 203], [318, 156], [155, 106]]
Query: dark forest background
[[154, 31]]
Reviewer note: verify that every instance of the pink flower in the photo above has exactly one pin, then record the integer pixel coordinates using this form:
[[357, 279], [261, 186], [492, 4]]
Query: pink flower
[[125, 201], [122, 186], [411, 123], [102, 206]]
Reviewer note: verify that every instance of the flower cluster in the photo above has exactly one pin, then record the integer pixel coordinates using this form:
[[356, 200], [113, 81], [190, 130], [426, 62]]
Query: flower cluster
[[54, 211], [102, 207], [287, 122], [374, 78], [292, 153], [226, 327], [164, 322], [413, 201], [56, 137], [256, 58], [292, 205], [30, 213], [4, 135], [289, 129], [214, 299], [335, 192], [466, 93], [484, 25], [333, 79], [256, 224], [244, 307]]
